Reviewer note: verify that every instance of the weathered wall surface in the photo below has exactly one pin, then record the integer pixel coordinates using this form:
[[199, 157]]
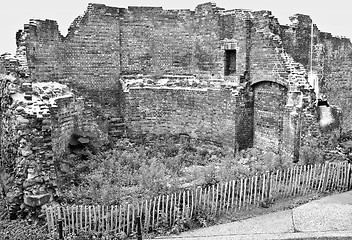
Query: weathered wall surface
[[269, 109], [42, 41], [206, 114], [331, 61], [26, 146], [154, 40], [67, 116], [158, 42], [87, 59], [107, 43], [36, 123]]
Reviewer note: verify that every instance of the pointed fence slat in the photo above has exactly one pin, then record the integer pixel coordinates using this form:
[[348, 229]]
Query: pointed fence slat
[[214, 200], [241, 195], [255, 189], [233, 194], [245, 192]]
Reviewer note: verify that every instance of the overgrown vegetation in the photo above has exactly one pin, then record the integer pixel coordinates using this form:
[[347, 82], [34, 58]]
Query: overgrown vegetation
[[91, 173], [153, 166]]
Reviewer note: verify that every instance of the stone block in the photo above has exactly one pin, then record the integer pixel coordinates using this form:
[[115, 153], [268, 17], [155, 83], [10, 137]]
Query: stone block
[[36, 200]]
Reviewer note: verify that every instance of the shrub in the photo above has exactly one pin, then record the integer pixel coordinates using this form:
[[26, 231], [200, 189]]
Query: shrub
[[155, 178], [311, 155], [21, 229]]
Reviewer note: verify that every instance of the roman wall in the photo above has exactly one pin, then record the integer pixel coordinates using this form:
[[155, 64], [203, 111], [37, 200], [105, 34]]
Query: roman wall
[[331, 60], [37, 120], [106, 43], [264, 99], [214, 115], [269, 105]]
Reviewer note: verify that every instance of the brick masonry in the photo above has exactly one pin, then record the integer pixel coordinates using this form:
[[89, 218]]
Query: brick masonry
[[206, 114], [108, 43], [264, 101]]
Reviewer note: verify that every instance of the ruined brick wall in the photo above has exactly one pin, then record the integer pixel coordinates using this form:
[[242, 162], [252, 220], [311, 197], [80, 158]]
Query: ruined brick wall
[[208, 53], [65, 120], [69, 115], [42, 41], [8, 143], [2, 67], [269, 107], [296, 38], [266, 62], [107, 41], [235, 31], [37, 121], [26, 148], [91, 49], [158, 42], [337, 79], [87, 59], [331, 60], [87, 56], [206, 114]]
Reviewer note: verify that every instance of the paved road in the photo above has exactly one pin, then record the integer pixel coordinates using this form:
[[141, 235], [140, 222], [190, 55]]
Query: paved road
[[327, 218]]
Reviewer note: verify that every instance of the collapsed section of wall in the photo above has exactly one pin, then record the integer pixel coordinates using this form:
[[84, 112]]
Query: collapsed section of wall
[[329, 57], [37, 123], [87, 59], [211, 43]]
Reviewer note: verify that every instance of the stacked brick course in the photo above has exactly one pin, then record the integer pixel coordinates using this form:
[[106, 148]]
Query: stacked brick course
[[206, 114], [331, 60], [106, 43], [264, 100]]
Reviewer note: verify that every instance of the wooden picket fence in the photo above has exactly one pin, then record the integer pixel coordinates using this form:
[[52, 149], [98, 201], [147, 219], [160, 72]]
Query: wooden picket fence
[[215, 200]]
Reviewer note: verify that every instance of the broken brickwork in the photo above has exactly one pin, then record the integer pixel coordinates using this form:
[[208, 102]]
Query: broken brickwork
[[37, 121], [106, 44], [215, 115], [332, 60], [234, 77]]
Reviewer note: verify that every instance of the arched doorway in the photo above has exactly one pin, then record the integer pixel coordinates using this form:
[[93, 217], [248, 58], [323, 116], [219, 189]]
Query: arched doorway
[[269, 107]]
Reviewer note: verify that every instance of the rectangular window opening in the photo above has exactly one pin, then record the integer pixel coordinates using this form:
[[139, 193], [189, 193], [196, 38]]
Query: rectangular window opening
[[230, 62]]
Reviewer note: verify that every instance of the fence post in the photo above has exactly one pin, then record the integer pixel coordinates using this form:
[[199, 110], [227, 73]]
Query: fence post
[[60, 230], [139, 229], [326, 177], [349, 175], [268, 188]]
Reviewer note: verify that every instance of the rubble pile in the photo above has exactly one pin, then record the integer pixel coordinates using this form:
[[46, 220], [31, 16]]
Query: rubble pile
[[26, 144]]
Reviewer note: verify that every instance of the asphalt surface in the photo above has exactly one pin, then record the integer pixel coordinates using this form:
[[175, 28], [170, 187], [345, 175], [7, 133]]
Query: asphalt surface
[[327, 218]]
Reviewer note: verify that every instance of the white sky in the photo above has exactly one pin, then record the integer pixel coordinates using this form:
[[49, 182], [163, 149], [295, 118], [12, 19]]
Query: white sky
[[330, 16]]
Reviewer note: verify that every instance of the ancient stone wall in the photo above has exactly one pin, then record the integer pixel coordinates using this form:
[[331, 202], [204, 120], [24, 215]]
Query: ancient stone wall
[[158, 42], [154, 41], [331, 60], [87, 59], [206, 114], [2, 67], [269, 108], [37, 121], [42, 42], [107, 41], [66, 118], [239, 46]]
